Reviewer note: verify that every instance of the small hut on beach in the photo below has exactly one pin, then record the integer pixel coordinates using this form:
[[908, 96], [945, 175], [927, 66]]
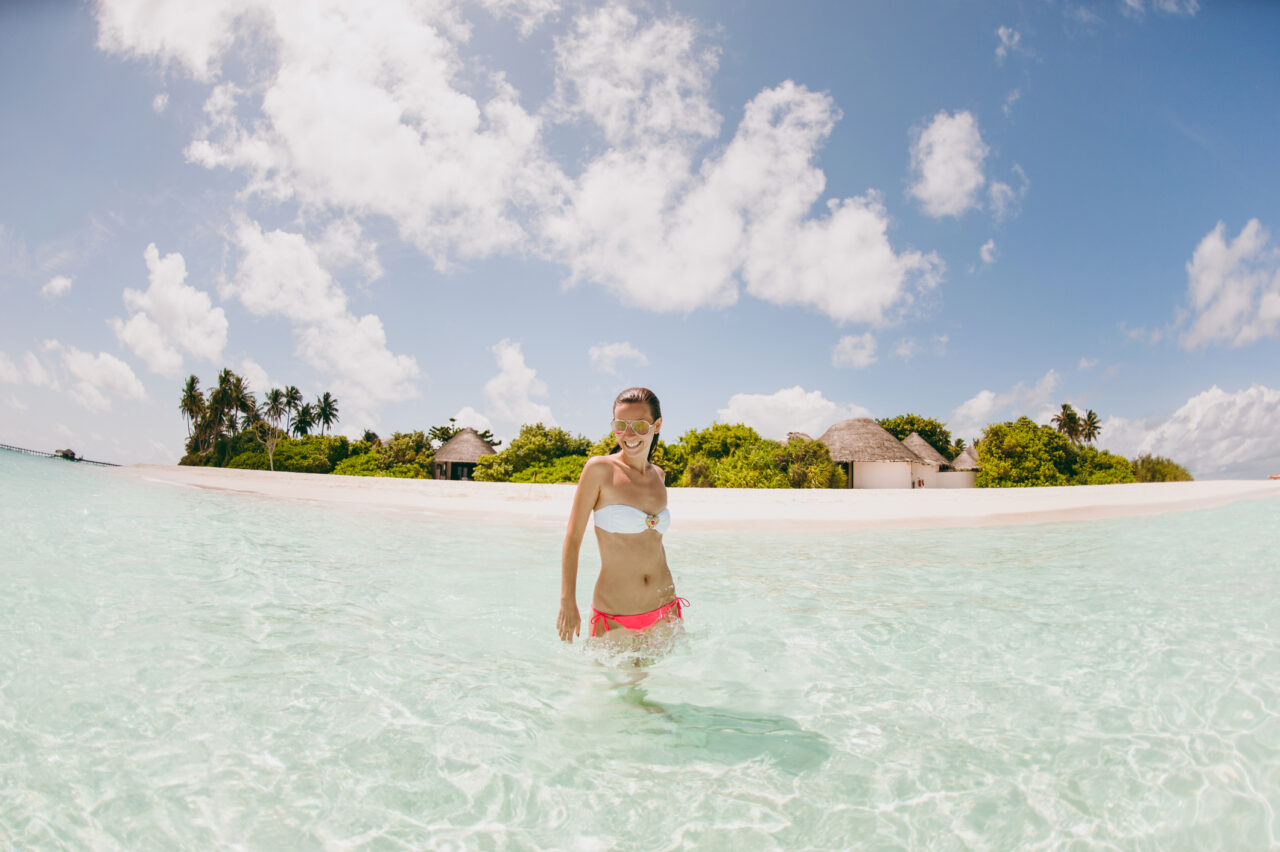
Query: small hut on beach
[[457, 458], [963, 473], [967, 460], [931, 464], [869, 455]]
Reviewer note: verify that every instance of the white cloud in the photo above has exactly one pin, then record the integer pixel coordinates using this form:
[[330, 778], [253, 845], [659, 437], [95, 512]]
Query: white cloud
[[17, 404], [94, 376], [1174, 7], [638, 83], [1214, 433], [368, 114], [605, 357], [468, 416], [1005, 200], [1009, 101], [1033, 400], [510, 394], [160, 102], [1010, 40], [281, 274], [947, 158], [988, 252], [9, 372], [1087, 363], [171, 317], [787, 410], [379, 116], [35, 371], [1233, 288], [529, 13], [256, 378], [906, 348], [56, 286], [641, 224], [856, 351]]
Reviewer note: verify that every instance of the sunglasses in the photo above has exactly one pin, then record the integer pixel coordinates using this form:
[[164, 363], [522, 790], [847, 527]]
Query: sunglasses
[[640, 427]]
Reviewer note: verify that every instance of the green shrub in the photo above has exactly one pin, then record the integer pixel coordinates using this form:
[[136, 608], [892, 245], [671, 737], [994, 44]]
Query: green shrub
[[1023, 454], [536, 445], [563, 469], [933, 431], [1149, 468], [256, 460], [1099, 467]]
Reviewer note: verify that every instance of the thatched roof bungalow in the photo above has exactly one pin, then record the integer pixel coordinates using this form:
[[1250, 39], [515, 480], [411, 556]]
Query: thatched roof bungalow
[[869, 455], [457, 458], [925, 451], [967, 460]]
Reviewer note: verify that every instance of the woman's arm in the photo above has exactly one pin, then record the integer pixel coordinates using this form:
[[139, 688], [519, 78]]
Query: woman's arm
[[594, 474]]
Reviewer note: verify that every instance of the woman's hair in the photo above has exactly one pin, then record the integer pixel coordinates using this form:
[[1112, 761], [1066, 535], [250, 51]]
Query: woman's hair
[[655, 411]]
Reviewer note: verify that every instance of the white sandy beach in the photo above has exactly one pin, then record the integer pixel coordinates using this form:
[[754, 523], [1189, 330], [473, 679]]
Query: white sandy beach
[[726, 509]]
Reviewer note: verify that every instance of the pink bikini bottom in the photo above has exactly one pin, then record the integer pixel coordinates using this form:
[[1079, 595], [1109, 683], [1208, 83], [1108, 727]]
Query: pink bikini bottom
[[600, 620]]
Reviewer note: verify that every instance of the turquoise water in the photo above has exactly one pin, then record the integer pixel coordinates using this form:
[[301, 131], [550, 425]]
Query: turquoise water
[[182, 669]]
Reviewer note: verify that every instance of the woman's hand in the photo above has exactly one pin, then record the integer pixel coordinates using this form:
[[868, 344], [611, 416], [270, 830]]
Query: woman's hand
[[569, 623]]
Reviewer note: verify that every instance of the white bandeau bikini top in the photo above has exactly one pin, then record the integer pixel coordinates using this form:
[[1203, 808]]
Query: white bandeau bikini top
[[619, 518]]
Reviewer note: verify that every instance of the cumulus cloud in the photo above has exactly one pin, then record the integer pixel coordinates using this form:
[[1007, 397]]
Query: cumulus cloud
[[95, 378], [640, 83], [947, 159], [56, 286], [281, 274], [1214, 434], [1010, 40], [856, 351], [1087, 363], [988, 252], [1233, 288], [160, 102], [1034, 400], [468, 416], [510, 394], [787, 410], [34, 371], [643, 225], [170, 318], [605, 357]]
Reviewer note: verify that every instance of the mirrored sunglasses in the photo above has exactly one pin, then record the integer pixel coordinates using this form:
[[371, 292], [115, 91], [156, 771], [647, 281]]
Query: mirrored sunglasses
[[640, 427]]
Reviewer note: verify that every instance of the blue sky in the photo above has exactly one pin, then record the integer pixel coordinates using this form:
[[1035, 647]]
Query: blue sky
[[778, 214]]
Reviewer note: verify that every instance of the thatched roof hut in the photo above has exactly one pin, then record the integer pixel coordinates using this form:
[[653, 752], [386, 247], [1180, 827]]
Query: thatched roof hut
[[924, 450], [967, 460], [457, 458], [862, 439], [797, 436]]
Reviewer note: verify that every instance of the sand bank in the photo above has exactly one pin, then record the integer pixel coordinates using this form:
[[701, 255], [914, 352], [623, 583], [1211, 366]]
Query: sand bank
[[727, 508]]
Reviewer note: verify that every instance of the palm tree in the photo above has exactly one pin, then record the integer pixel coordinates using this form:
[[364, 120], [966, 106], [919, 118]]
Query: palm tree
[[192, 403], [275, 406], [1090, 427], [292, 401], [1067, 422], [304, 420], [326, 411]]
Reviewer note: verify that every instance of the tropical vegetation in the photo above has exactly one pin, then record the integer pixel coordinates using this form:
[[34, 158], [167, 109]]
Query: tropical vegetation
[[227, 426]]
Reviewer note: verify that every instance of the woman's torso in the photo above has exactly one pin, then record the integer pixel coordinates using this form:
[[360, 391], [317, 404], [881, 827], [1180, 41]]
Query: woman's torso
[[634, 576]]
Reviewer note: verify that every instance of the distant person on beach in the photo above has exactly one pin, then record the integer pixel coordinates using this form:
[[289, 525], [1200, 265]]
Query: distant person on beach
[[628, 495]]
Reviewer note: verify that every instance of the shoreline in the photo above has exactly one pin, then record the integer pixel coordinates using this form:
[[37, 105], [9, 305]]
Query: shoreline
[[773, 510]]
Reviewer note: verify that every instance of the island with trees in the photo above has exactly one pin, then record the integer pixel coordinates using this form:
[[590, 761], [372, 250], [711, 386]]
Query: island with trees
[[230, 427]]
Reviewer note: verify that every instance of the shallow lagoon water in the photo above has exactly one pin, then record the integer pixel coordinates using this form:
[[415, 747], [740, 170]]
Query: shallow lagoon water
[[187, 669]]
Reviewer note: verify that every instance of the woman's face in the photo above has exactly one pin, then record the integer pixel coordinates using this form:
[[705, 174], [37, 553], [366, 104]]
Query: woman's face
[[635, 446]]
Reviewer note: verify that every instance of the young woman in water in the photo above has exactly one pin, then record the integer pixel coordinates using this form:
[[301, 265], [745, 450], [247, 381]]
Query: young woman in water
[[629, 497]]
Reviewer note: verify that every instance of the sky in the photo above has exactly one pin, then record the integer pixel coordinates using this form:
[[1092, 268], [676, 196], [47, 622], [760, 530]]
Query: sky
[[506, 211]]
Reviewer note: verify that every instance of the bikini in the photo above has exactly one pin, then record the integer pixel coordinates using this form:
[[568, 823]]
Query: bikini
[[617, 518]]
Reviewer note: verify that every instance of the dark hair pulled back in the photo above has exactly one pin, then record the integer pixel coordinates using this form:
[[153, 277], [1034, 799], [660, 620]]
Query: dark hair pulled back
[[655, 411]]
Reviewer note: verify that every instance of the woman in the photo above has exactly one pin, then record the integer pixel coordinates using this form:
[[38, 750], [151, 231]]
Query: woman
[[629, 497]]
